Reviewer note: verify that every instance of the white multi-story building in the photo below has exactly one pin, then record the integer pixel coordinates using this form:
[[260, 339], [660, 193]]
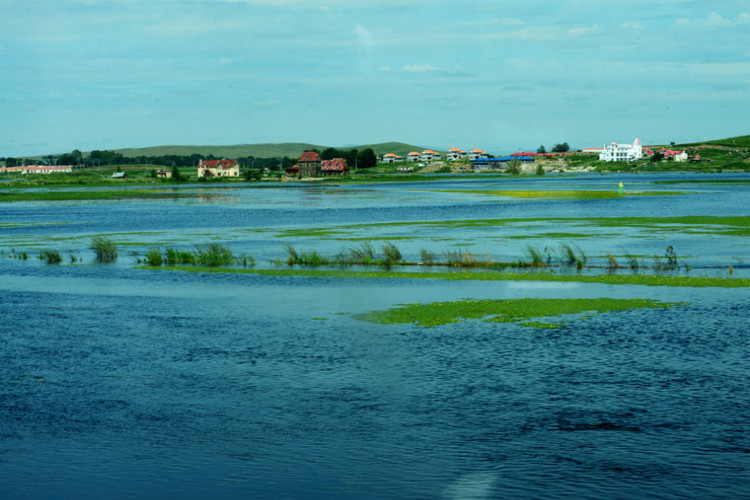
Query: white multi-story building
[[622, 152], [414, 156], [430, 155]]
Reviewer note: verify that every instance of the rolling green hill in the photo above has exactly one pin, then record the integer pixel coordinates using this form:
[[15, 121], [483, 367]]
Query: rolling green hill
[[741, 141], [290, 149]]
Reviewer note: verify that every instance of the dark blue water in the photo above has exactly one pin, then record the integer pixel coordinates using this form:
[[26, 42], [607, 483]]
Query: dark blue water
[[125, 383]]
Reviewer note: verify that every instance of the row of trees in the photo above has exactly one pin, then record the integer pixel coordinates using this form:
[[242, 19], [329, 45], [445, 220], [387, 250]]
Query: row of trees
[[557, 148], [358, 159]]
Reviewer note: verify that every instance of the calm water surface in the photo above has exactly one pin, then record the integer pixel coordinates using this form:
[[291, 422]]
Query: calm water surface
[[127, 383]]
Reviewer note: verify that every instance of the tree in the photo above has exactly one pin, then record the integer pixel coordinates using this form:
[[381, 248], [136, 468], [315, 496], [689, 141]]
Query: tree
[[176, 175], [366, 158], [331, 153], [541, 150], [351, 157], [514, 167], [539, 169], [561, 148]]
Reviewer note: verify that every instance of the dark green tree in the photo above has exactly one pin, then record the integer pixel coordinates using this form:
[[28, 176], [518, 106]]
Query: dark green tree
[[541, 149], [561, 148], [366, 158], [514, 167]]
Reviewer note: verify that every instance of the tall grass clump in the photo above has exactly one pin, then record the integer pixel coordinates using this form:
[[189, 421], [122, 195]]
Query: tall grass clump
[[536, 258], [213, 255], [364, 254], [391, 254], [292, 256], [632, 261], [105, 249], [428, 258], [51, 256], [568, 255], [612, 263], [173, 256], [154, 257], [459, 258]]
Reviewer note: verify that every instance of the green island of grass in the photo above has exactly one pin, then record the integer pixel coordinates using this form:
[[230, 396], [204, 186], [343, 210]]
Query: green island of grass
[[527, 312], [560, 194], [91, 195]]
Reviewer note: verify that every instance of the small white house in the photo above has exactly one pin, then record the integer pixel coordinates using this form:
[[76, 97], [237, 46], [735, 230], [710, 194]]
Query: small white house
[[455, 154], [476, 154], [430, 155], [390, 158], [414, 156], [622, 152]]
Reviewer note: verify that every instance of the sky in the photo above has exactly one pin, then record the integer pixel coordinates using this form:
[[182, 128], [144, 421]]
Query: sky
[[497, 75]]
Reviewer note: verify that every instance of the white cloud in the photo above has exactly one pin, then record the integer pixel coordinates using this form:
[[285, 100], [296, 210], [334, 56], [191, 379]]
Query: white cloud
[[583, 30], [384, 68], [712, 21], [633, 25], [419, 67]]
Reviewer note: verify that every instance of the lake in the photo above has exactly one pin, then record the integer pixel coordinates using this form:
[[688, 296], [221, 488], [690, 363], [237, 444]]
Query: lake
[[123, 382]]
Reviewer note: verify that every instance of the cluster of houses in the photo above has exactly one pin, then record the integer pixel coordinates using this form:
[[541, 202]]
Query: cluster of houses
[[310, 164], [39, 169], [428, 155]]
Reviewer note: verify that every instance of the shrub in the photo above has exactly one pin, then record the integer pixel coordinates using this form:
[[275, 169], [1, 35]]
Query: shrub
[[52, 257], [213, 255], [105, 249], [154, 257]]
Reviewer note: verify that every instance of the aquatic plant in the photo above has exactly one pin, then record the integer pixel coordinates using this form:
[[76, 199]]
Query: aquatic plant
[[213, 254], [173, 256], [536, 257], [612, 262], [428, 258], [292, 254], [364, 254], [105, 249], [391, 254], [51, 256], [632, 261], [154, 257], [504, 311], [671, 256]]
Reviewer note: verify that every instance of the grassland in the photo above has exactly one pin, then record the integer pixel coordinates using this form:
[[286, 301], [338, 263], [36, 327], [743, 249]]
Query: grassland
[[527, 312], [111, 194]]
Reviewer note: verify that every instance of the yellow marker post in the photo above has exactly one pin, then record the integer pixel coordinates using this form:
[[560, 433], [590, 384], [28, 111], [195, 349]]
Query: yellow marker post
[[620, 190]]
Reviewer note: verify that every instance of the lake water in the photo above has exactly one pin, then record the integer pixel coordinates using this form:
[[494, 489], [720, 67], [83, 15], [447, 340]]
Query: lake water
[[125, 383]]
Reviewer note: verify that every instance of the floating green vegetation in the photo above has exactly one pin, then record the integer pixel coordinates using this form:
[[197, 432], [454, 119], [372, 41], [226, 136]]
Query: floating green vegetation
[[91, 194], [208, 255], [50, 256], [731, 226], [561, 194], [608, 279], [526, 312]]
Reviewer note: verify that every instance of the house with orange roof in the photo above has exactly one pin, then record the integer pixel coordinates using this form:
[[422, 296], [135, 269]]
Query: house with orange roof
[[455, 154], [390, 158], [475, 154], [414, 156], [430, 155]]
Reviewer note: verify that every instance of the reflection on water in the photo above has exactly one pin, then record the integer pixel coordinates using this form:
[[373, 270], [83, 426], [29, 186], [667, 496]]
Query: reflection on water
[[125, 383]]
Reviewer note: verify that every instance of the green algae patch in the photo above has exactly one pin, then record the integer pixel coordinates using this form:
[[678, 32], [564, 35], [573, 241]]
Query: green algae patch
[[564, 194], [534, 313], [608, 279]]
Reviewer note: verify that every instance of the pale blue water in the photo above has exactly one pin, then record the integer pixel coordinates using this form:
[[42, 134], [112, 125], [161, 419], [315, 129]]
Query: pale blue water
[[127, 383]]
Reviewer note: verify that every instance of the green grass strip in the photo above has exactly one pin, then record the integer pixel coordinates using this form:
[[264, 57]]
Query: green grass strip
[[562, 194], [527, 312], [90, 195], [609, 279]]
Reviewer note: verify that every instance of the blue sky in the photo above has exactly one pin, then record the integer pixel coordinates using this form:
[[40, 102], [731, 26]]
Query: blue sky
[[496, 75]]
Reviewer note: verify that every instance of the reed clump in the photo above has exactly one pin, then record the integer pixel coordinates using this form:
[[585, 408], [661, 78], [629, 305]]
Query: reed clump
[[213, 255], [154, 257], [51, 256], [105, 249]]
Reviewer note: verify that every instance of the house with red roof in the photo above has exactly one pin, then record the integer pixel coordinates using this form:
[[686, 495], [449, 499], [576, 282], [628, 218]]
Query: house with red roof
[[336, 166], [218, 168]]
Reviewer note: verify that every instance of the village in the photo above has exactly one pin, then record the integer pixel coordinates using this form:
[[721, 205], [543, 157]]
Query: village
[[311, 165]]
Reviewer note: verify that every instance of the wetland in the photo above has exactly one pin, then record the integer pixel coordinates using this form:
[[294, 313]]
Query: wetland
[[440, 338]]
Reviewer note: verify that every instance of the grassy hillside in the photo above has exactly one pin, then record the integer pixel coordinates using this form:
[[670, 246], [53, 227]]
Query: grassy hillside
[[742, 141], [290, 149]]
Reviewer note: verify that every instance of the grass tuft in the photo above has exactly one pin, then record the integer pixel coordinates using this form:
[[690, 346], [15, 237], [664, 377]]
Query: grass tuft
[[105, 249]]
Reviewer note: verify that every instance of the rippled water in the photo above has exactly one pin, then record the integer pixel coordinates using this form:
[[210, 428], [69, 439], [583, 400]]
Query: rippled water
[[126, 383]]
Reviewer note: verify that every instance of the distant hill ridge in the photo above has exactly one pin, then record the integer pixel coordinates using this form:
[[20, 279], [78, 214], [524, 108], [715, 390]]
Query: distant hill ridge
[[269, 150]]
